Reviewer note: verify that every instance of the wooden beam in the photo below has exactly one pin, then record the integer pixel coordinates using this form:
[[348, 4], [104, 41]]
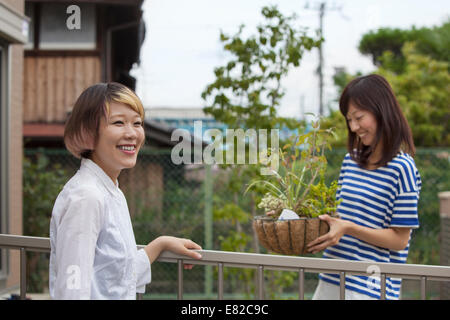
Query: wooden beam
[[62, 53]]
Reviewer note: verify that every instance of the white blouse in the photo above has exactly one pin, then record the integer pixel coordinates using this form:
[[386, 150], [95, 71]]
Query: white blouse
[[93, 249]]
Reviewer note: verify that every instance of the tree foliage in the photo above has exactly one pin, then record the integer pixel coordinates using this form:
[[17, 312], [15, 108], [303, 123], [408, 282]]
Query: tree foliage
[[423, 91], [433, 42], [247, 89], [246, 93], [416, 63], [42, 182]]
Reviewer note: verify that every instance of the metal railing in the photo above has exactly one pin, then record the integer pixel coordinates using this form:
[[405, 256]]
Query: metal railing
[[260, 262]]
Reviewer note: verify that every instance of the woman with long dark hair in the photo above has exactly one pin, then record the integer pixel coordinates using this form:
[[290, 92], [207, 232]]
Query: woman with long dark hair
[[379, 187]]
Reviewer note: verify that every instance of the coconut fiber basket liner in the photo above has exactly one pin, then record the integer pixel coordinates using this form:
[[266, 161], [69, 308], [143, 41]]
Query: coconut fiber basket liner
[[288, 237]]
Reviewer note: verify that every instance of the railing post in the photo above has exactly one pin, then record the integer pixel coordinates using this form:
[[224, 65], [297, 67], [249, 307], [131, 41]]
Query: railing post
[[423, 288], [301, 284], [383, 287], [261, 282], [342, 286], [180, 279], [208, 223], [220, 286], [23, 274]]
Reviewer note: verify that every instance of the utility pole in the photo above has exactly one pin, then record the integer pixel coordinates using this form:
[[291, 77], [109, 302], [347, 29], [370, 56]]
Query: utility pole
[[321, 8], [319, 69]]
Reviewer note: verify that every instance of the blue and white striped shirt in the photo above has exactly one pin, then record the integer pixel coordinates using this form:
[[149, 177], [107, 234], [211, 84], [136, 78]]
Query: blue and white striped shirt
[[379, 199]]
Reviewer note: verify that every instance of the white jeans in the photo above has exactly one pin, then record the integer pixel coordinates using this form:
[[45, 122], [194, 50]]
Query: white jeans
[[328, 291]]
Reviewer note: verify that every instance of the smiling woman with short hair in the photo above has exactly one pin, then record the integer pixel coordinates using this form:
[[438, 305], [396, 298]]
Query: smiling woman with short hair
[[93, 249]]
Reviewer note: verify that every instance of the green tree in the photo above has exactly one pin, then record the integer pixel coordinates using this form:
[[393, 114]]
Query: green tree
[[247, 90], [416, 62], [42, 182], [246, 94], [423, 91], [433, 42]]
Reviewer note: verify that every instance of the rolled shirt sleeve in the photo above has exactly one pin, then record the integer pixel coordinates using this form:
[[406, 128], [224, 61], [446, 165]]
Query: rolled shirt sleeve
[[143, 271], [77, 233]]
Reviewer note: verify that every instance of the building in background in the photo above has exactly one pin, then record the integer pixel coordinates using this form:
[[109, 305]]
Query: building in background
[[185, 118], [62, 60], [63, 56], [13, 34]]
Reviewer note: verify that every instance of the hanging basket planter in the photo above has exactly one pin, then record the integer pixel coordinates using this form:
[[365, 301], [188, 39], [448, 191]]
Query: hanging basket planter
[[289, 237], [295, 194]]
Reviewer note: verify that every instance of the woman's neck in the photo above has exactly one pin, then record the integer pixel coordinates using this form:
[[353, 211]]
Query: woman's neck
[[374, 158], [112, 174]]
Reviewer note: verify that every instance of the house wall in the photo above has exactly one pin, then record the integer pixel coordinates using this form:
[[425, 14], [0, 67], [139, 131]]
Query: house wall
[[53, 83], [15, 157], [16, 5], [15, 148]]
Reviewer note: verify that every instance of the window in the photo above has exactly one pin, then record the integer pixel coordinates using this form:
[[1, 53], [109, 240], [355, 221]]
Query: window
[[49, 26]]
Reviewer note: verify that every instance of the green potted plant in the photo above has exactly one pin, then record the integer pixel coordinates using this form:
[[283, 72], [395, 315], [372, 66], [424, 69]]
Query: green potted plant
[[296, 194]]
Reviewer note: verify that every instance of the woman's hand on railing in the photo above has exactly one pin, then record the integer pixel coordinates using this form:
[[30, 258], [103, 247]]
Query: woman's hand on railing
[[180, 246], [184, 247]]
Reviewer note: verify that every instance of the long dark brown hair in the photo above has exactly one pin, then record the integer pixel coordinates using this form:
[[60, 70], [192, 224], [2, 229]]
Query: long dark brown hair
[[374, 94]]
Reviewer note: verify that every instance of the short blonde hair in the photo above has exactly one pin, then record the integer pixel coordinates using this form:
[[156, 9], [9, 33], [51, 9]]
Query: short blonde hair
[[82, 126]]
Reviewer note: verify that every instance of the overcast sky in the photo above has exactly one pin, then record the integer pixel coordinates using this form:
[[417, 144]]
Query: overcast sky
[[182, 47]]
